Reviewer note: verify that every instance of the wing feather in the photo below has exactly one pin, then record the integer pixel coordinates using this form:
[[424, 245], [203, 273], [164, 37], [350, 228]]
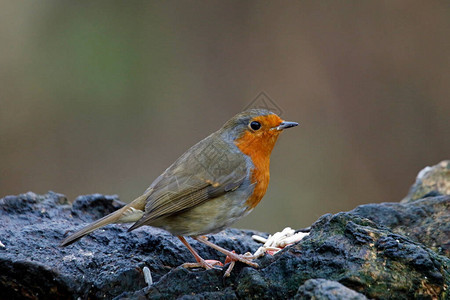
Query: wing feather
[[187, 183]]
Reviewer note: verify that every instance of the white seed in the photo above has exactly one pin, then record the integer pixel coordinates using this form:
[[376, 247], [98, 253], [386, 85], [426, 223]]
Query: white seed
[[273, 249], [147, 276], [292, 239], [269, 240], [259, 238], [278, 240]]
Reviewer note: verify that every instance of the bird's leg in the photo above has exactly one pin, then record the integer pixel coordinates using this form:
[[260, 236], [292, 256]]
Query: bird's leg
[[231, 266], [246, 259], [201, 263]]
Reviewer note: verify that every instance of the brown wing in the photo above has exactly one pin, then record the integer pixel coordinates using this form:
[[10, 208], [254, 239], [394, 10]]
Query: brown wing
[[206, 171]]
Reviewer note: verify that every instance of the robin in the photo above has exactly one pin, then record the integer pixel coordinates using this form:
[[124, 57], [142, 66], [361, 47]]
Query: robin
[[212, 185]]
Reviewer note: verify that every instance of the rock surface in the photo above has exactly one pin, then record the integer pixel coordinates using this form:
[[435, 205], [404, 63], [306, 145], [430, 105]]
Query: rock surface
[[377, 251], [431, 181], [326, 290]]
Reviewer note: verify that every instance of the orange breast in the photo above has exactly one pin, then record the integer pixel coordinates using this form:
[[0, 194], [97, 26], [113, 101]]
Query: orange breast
[[261, 177], [258, 147]]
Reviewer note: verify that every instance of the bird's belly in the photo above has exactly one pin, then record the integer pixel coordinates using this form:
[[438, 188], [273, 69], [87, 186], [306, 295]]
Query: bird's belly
[[209, 217]]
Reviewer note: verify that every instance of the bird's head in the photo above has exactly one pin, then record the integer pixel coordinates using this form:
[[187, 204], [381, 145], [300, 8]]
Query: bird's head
[[255, 131]]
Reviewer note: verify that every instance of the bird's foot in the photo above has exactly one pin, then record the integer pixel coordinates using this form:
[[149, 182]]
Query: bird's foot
[[232, 258], [203, 263], [244, 258]]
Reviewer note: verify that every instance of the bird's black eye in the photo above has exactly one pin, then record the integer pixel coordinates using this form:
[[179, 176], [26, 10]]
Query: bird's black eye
[[255, 125]]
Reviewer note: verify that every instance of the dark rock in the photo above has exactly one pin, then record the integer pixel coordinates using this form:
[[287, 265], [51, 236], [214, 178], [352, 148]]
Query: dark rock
[[360, 255], [104, 264], [92, 207], [426, 221], [379, 251], [326, 290]]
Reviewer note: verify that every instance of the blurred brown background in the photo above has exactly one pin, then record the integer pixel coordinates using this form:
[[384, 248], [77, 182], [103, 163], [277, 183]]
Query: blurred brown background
[[102, 97]]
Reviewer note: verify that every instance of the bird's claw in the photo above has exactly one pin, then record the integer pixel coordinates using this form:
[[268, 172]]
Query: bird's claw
[[244, 258], [206, 264], [231, 259]]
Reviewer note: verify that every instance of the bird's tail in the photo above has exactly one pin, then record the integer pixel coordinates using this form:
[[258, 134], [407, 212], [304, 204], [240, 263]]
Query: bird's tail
[[129, 213]]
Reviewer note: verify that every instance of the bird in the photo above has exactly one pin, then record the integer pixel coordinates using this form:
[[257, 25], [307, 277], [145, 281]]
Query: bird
[[216, 182]]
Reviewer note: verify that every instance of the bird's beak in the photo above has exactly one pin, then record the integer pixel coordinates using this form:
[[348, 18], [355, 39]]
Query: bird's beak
[[286, 124]]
